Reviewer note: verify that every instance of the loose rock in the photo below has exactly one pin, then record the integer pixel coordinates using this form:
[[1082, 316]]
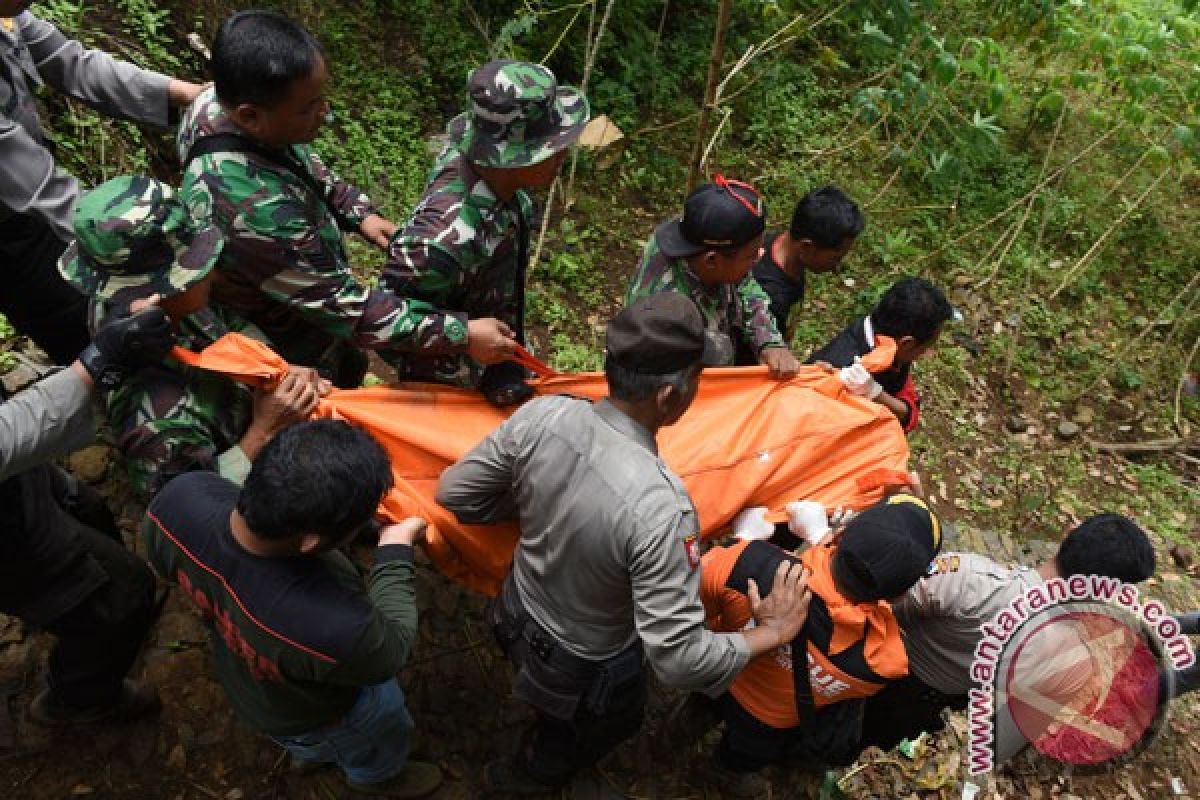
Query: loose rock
[[90, 464], [1017, 424], [1067, 430]]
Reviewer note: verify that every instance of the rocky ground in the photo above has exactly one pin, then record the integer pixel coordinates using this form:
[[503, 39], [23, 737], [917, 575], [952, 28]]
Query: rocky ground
[[457, 685]]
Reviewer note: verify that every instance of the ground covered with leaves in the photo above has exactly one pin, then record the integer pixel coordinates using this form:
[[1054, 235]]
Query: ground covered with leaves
[[1038, 160]]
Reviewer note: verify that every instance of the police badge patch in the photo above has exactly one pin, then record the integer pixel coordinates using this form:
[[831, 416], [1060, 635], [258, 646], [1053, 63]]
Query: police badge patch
[[691, 547]]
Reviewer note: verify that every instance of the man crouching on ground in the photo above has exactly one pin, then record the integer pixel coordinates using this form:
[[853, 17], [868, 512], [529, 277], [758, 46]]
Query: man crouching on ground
[[304, 654], [607, 565]]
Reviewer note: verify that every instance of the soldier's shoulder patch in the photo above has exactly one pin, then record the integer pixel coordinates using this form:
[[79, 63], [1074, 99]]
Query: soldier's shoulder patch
[[8, 24]]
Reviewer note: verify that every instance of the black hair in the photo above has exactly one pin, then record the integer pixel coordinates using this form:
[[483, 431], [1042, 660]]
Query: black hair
[[1109, 545], [912, 307], [257, 55], [630, 386], [325, 477], [827, 217]]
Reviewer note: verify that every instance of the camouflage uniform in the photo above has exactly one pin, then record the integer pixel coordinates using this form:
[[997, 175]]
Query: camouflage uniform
[[463, 248], [284, 265], [737, 318], [134, 240]]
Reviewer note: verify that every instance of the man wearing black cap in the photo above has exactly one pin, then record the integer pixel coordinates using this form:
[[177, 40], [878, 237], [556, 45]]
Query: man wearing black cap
[[707, 255], [606, 571], [851, 643]]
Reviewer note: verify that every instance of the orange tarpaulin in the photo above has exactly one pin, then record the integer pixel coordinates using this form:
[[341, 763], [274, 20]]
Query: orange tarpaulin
[[748, 440]]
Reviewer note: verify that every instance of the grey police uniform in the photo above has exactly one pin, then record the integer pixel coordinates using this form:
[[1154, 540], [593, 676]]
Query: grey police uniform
[[37, 200], [607, 565], [942, 615]]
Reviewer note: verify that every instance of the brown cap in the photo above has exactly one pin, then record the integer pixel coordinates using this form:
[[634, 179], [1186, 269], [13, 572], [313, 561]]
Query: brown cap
[[657, 335]]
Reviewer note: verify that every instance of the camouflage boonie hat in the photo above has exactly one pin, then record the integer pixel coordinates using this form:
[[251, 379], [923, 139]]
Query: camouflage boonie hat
[[133, 234], [519, 115]]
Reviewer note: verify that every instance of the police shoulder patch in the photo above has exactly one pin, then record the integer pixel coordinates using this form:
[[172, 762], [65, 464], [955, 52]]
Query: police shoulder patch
[[691, 548], [945, 564]]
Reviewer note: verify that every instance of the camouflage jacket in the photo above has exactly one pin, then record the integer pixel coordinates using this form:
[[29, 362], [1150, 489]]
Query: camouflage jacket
[[170, 419], [460, 250], [742, 313], [284, 265]]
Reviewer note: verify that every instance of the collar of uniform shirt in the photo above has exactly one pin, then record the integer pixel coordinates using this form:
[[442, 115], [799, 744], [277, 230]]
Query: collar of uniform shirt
[[622, 422]]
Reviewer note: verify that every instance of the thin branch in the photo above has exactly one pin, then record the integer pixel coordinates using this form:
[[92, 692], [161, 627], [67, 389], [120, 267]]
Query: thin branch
[[1141, 336], [593, 50], [537, 251], [562, 35], [1023, 198], [1180, 423], [662, 24], [666, 126], [727, 113], [1062, 114], [1083, 262]]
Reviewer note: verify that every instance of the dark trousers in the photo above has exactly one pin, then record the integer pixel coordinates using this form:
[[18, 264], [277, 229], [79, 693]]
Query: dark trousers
[[584, 709], [903, 709], [34, 297], [553, 749], [100, 638], [747, 744]]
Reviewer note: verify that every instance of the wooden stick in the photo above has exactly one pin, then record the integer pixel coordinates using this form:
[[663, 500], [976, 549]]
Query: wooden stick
[[710, 91], [1180, 424], [593, 49], [1151, 446]]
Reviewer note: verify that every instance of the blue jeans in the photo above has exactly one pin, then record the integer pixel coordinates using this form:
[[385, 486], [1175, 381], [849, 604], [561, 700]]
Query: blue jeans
[[370, 743]]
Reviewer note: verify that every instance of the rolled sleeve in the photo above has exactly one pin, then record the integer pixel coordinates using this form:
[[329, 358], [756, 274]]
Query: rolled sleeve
[[670, 617], [49, 419], [31, 184], [115, 88]]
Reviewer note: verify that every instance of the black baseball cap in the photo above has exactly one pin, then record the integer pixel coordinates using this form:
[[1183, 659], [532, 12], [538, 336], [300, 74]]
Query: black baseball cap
[[657, 335], [716, 216], [887, 548]]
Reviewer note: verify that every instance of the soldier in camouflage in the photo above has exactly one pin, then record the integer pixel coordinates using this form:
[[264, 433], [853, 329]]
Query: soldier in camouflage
[[707, 255], [135, 242], [466, 246], [250, 171]]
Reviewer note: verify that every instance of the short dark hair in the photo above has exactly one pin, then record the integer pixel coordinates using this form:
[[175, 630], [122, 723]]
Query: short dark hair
[[630, 386], [1109, 545], [912, 307], [324, 476], [827, 217], [257, 55]]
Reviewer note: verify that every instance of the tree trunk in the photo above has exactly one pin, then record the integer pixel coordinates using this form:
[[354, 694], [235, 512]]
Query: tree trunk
[[710, 91]]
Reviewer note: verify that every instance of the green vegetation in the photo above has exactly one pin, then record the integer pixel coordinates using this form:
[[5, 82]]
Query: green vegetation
[[1036, 158]]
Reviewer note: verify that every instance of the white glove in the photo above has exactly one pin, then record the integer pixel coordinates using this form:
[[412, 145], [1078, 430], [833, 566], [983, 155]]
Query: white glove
[[751, 524], [807, 520], [859, 382]]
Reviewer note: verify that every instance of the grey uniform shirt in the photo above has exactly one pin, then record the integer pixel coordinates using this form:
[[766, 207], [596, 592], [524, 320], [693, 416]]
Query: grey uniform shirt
[[941, 615], [606, 533], [49, 419], [33, 53]]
